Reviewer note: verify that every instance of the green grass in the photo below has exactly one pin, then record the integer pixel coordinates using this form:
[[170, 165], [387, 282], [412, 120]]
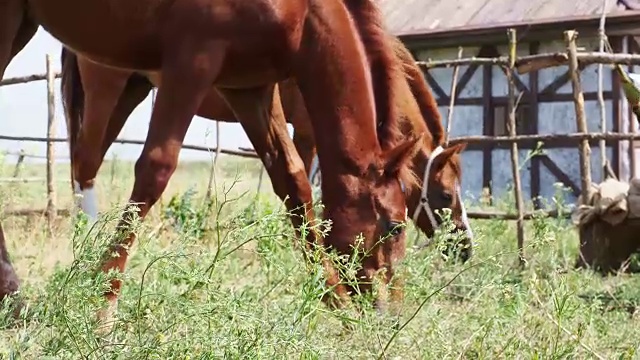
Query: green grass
[[231, 283]]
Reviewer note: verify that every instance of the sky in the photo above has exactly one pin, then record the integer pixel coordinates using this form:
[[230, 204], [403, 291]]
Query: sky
[[23, 110]]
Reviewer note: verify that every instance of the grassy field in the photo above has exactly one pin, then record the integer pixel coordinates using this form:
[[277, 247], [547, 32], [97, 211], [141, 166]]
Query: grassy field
[[231, 283]]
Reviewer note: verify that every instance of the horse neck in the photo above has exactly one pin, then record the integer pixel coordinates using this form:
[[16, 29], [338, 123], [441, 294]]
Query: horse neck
[[414, 122], [426, 102], [343, 117], [419, 90], [383, 66]]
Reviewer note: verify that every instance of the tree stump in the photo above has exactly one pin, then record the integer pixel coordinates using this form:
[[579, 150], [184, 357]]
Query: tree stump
[[607, 248]]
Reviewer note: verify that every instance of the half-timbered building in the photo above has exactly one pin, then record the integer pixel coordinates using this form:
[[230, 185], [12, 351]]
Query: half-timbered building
[[435, 29]]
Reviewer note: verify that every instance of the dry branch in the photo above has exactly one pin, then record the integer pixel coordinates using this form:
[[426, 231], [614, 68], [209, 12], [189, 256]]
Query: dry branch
[[515, 167], [537, 62], [569, 138], [31, 212], [581, 121], [601, 105], [51, 128], [212, 171], [21, 180], [500, 215], [133, 142], [472, 139], [528, 63], [432, 64], [452, 98], [26, 79]]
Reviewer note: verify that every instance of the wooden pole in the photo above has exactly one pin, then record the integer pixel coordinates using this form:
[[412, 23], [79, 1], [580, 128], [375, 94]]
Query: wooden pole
[[212, 172], [218, 146], [51, 194], [511, 124], [581, 121], [16, 171], [452, 98], [260, 178], [603, 113]]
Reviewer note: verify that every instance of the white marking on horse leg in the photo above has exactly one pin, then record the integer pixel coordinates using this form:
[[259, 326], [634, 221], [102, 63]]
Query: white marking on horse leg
[[315, 168], [88, 201]]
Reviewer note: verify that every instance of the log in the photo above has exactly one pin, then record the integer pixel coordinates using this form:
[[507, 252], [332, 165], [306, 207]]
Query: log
[[606, 248]]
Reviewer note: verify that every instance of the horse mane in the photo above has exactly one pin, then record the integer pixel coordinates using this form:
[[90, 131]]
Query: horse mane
[[424, 99], [421, 92], [385, 71]]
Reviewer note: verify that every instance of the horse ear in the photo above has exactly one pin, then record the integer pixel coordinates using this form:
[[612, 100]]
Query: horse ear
[[457, 148], [447, 153], [395, 158]]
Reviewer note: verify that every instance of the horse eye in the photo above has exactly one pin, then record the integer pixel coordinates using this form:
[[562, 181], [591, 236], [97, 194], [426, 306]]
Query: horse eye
[[395, 228]]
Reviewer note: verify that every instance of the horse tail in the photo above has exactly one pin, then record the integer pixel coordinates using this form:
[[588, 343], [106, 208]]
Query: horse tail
[[420, 90], [383, 65], [72, 99]]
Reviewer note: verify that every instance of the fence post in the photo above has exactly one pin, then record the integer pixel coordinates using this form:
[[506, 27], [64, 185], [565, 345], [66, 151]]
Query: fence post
[[517, 184], [212, 173], [581, 121], [51, 194], [21, 156]]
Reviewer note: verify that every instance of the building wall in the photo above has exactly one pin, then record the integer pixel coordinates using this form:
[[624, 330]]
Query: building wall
[[553, 118]]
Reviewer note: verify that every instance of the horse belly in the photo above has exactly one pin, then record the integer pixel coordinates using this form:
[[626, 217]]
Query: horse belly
[[248, 72]]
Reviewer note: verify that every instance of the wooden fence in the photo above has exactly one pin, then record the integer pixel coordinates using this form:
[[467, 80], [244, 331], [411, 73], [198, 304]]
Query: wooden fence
[[525, 64], [511, 63], [51, 210]]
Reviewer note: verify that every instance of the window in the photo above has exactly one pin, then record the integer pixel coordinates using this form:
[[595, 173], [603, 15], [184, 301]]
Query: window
[[501, 118]]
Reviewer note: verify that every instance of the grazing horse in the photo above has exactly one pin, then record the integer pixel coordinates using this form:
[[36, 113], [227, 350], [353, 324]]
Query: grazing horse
[[112, 94], [16, 29], [334, 49]]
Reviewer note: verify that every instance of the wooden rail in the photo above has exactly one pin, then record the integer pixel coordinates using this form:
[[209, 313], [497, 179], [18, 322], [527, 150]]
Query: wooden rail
[[513, 64]]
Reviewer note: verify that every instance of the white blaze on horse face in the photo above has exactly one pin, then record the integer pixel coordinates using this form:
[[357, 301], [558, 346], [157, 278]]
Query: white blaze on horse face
[[88, 201], [465, 218]]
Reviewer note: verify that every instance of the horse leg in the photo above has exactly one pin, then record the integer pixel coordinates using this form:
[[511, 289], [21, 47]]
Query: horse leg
[[306, 147], [183, 88], [103, 87], [12, 16], [136, 90], [13, 37], [296, 113], [25, 33], [259, 111]]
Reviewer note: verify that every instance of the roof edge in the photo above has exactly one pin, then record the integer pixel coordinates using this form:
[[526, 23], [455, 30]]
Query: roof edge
[[616, 18]]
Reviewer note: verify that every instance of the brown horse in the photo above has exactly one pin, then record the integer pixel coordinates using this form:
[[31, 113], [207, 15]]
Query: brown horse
[[116, 93], [334, 49], [16, 29]]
